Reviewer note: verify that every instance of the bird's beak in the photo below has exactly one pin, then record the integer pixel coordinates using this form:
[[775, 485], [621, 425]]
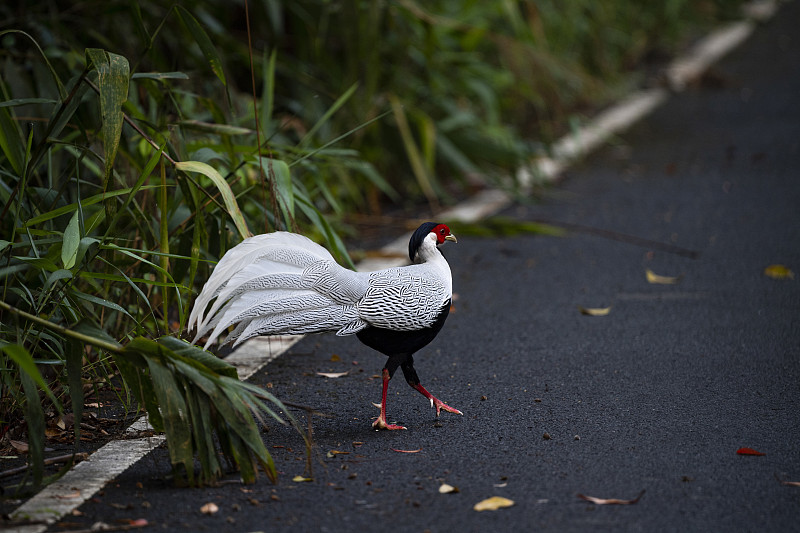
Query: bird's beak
[[451, 238]]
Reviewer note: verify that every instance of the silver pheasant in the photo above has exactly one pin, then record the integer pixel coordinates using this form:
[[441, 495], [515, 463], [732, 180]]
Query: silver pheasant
[[282, 283]]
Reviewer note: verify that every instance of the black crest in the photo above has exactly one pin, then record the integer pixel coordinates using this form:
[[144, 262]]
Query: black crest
[[418, 236]]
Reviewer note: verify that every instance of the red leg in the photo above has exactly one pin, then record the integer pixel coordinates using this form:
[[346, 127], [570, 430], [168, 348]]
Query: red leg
[[435, 402], [380, 423]]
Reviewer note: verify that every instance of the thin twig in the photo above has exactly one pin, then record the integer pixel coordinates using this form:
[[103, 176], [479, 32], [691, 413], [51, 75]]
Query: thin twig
[[49, 461]]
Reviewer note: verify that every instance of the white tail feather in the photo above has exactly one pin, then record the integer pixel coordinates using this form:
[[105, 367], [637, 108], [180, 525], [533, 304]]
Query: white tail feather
[[264, 287]]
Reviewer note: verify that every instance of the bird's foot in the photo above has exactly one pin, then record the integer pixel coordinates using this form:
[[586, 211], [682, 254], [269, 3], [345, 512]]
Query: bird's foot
[[436, 402], [380, 423], [439, 405]]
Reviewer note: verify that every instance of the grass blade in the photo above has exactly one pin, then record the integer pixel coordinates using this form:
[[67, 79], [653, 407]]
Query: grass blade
[[228, 197]]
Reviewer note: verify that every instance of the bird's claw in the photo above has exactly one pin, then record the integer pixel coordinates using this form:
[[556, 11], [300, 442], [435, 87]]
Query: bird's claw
[[439, 405], [380, 423]]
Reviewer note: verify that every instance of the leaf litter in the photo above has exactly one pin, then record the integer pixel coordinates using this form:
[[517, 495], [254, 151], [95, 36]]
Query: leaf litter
[[748, 451], [493, 504], [610, 501], [333, 374], [594, 311], [445, 488], [778, 272], [658, 279]]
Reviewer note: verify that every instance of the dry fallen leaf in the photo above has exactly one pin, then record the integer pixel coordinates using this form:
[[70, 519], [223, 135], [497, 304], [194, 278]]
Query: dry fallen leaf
[[301, 479], [609, 501], [594, 311], [787, 483], [407, 451], [492, 504], [332, 374], [19, 446], [657, 279], [778, 272], [748, 451], [209, 508], [335, 358], [444, 488], [337, 452], [71, 496]]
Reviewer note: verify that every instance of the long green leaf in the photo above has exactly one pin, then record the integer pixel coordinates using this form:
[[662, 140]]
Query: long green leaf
[[11, 141], [225, 190], [27, 101], [113, 73], [20, 355], [195, 353], [34, 418], [328, 114], [173, 410], [278, 172], [203, 41], [74, 365], [100, 301], [86, 202], [72, 240]]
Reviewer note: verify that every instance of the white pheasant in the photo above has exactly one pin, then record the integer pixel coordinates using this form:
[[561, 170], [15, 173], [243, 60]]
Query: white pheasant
[[282, 283]]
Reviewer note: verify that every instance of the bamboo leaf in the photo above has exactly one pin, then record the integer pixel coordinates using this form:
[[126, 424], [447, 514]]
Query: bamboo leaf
[[72, 240], [27, 101], [203, 41], [86, 202], [278, 172], [113, 74], [74, 366], [225, 190], [11, 141], [412, 150], [173, 410], [195, 353], [160, 76], [34, 418], [20, 355], [100, 301], [324, 118]]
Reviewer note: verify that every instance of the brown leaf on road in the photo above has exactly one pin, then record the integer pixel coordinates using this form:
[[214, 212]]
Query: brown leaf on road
[[594, 311], [492, 504], [778, 272], [748, 451], [407, 451], [19, 446], [444, 488], [71, 496], [209, 508], [333, 374], [657, 279], [787, 483], [609, 501]]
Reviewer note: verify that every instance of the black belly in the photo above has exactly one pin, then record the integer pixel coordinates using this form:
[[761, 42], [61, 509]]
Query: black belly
[[390, 342]]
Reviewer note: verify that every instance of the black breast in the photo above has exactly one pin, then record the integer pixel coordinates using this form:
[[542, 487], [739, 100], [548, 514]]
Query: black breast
[[390, 342]]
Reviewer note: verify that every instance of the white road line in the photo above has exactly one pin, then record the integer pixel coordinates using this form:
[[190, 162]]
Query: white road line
[[82, 482], [105, 464]]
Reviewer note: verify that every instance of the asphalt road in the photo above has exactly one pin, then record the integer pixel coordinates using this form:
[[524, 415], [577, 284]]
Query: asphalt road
[[656, 396]]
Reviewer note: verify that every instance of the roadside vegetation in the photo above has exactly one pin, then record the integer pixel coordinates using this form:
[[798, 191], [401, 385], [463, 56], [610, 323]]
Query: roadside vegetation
[[139, 142]]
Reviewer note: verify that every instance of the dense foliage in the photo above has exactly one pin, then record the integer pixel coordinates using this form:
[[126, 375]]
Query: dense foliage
[[139, 141]]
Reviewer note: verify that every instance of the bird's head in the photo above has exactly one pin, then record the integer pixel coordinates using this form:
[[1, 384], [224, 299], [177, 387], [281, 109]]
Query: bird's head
[[433, 230]]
